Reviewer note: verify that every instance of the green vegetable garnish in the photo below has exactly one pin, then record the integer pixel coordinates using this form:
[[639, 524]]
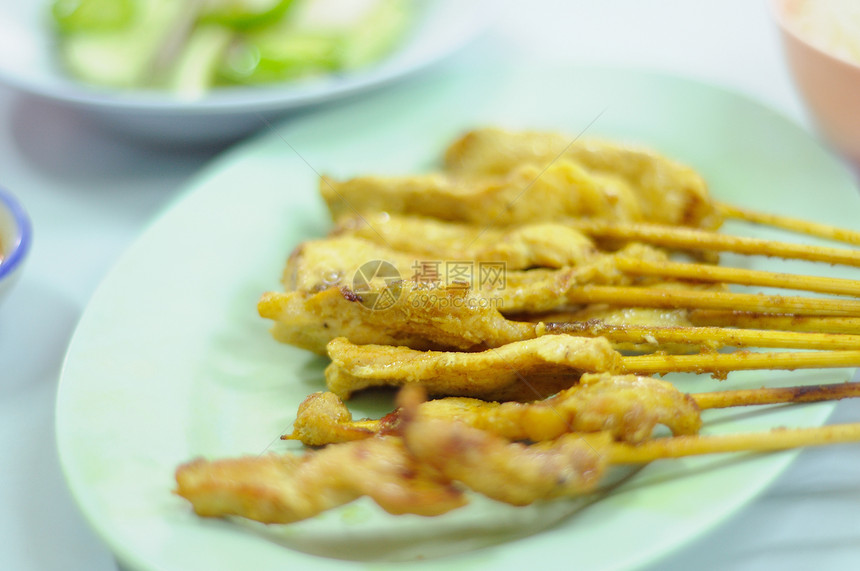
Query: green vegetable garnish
[[244, 14], [92, 15], [278, 57], [189, 46]]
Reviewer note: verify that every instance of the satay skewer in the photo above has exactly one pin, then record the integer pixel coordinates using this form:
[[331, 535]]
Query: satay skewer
[[312, 320], [739, 276], [715, 337], [535, 368], [720, 364], [797, 225], [573, 463], [550, 245], [722, 320], [324, 419], [776, 395], [683, 238], [628, 296], [731, 321], [752, 320], [694, 445], [563, 254]]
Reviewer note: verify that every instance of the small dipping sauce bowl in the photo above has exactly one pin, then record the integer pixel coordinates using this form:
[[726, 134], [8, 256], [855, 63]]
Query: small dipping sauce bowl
[[821, 42], [15, 238]]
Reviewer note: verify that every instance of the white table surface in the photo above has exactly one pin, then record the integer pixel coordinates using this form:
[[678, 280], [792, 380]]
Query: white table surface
[[90, 193]]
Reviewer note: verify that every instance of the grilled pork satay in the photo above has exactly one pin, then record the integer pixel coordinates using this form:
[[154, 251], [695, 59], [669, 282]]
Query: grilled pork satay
[[506, 471], [573, 464], [523, 370], [345, 260], [452, 318], [322, 263], [547, 245], [317, 264], [556, 245], [322, 418], [666, 192], [424, 469], [510, 472], [592, 317], [562, 190], [417, 315], [536, 368], [341, 260], [286, 488], [494, 152], [459, 319], [628, 407]]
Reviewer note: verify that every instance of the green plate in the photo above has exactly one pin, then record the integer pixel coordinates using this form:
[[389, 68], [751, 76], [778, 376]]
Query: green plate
[[171, 361]]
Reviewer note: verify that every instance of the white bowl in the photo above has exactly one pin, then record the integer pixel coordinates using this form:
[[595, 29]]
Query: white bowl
[[15, 238], [30, 65], [828, 81]]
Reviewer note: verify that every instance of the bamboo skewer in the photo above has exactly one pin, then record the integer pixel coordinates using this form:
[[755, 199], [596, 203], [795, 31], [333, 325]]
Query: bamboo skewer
[[693, 239], [777, 439], [717, 363], [797, 225], [776, 395], [747, 320], [740, 276], [679, 298], [707, 336]]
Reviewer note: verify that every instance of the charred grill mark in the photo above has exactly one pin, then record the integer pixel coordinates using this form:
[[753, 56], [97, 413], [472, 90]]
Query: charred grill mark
[[350, 295], [813, 393], [390, 423]]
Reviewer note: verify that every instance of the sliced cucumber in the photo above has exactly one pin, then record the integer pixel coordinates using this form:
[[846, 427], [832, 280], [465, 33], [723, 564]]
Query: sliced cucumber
[[121, 58], [187, 46], [376, 34], [74, 16], [195, 70], [317, 36], [271, 57], [366, 29], [244, 14]]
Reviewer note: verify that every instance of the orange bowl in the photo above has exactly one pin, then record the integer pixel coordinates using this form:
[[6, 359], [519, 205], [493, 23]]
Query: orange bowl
[[828, 81]]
